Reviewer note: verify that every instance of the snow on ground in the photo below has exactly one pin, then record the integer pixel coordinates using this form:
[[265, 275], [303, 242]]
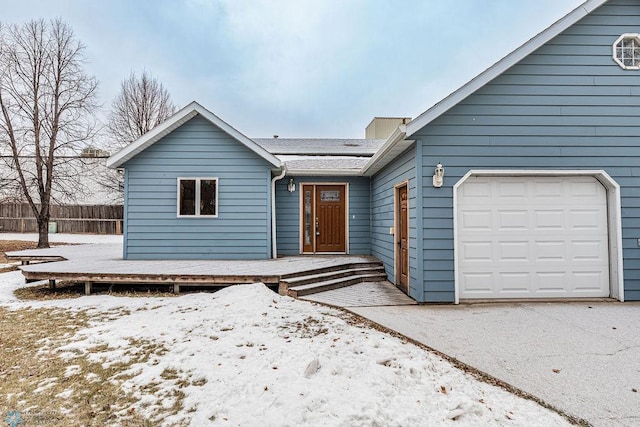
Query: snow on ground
[[245, 355], [64, 238]]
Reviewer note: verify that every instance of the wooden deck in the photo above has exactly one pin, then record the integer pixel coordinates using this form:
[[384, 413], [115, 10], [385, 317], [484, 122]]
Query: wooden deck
[[103, 263]]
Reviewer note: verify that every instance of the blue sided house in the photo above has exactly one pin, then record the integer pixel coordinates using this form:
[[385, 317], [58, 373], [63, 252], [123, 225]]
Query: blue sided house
[[524, 183]]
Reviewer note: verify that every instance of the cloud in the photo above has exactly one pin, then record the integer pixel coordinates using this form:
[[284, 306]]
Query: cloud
[[299, 67]]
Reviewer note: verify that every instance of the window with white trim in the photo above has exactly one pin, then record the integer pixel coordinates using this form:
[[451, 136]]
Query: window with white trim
[[198, 197], [626, 51]]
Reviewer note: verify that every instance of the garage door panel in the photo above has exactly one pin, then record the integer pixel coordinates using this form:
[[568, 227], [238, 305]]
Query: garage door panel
[[552, 282], [591, 191], [535, 237], [476, 220], [513, 251], [477, 252], [514, 283], [512, 220], [548, 220], [588, 250], [587, 282], [479, 283], [547, 189], [587, 219], [513, 191], [479, 190], [550, 250]]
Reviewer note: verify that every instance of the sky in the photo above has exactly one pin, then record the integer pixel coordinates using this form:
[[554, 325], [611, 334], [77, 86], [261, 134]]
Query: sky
[[297, 68]]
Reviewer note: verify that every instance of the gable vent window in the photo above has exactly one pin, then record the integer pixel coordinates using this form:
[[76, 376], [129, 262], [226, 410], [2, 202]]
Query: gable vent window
[[198, 197], [626, 51]]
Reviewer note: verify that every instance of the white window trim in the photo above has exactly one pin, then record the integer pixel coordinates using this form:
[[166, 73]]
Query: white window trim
[[614, 220], [197, 180], [635, 36]]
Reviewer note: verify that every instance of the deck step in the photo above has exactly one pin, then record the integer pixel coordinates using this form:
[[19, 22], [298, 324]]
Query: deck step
[[341, 282], [331, 268], [321, 277]]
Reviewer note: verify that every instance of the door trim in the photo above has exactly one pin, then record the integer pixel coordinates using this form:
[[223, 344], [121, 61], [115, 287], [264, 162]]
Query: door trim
[[396, 227], [301, 216], [614, 220]]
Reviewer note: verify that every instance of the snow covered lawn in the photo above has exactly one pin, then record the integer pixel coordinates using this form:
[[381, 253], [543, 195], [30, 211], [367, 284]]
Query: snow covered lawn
[[247, 356], [240, 356], [64, 238]]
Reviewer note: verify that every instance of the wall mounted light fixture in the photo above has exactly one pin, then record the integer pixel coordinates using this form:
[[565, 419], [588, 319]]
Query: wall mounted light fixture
[[291, 187], [438, 176]]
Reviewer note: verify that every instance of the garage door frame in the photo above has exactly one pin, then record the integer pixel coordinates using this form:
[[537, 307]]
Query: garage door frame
[[614, 221]]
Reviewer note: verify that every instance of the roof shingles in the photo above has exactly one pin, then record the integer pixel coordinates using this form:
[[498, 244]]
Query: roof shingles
[[320, 147], [308, 164]]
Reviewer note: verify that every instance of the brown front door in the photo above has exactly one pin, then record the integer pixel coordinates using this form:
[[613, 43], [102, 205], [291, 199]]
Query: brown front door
[[324, 218], [402, 238]]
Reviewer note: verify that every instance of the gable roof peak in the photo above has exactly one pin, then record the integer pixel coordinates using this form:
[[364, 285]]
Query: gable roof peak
[[175, 121]]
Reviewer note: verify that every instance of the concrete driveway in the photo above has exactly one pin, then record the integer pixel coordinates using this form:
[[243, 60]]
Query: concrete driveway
[[581, 357]]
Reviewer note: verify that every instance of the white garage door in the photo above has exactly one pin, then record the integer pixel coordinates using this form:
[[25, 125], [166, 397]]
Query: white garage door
[[532, 237]]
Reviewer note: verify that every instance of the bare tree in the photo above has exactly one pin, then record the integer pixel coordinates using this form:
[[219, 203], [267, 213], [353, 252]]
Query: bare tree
[[47, 104], [141, 104]]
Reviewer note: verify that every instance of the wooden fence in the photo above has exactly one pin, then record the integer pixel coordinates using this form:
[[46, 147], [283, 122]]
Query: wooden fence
[[95, 219]]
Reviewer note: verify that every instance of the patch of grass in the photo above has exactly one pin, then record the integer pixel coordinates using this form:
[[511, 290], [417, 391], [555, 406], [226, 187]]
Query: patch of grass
[[170, 374], [65, 290], [48, 389], [308, 328], [199, 382], [12, 246], [169, 394]]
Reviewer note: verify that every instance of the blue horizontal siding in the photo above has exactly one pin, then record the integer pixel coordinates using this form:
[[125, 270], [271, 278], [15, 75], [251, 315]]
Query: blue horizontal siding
[[566, 106], [288, 213], [382, 215], [197, 149]]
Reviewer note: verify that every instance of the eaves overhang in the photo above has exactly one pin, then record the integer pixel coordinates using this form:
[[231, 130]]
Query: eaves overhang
[[395, 145]]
